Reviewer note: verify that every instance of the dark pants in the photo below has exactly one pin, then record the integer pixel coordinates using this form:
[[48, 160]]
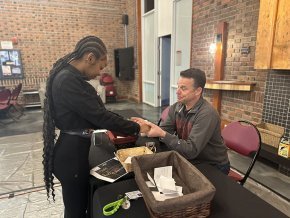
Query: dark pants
[[225, 168], [71, 168]]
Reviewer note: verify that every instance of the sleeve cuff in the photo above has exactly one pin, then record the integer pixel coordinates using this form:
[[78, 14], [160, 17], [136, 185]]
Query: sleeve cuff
[[163, 138]]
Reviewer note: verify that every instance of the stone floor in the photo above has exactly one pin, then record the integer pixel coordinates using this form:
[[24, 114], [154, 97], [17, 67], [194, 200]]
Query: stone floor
[[21, 186]]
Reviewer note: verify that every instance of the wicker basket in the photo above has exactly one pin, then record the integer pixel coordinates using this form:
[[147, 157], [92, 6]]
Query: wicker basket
[[197, 190], [123, 154], [271, 134]]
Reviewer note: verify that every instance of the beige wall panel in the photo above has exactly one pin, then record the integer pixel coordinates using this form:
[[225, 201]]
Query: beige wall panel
[[281, 47], [265, 34], [164, 17]]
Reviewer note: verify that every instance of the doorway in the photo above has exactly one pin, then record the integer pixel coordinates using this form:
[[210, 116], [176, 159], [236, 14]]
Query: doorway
[[164, 69]]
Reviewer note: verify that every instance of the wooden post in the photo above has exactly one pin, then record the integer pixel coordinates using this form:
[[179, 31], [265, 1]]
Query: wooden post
[[221, 42]]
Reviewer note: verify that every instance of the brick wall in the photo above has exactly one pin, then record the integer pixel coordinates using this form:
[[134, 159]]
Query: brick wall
[[47, 30], [242, 19], [130, 88]]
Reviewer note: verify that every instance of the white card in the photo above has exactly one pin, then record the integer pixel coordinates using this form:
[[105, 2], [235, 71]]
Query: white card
[[150, 179], [134, 194]]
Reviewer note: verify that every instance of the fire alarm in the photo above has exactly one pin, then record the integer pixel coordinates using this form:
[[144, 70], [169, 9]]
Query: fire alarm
[[14, 40]]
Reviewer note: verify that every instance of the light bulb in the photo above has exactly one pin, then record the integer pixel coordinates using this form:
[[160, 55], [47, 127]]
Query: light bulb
[[212, 48]]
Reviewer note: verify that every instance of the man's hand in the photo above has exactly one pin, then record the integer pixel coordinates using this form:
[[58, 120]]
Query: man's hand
[[155, 131], [150, 129], [144, 127]]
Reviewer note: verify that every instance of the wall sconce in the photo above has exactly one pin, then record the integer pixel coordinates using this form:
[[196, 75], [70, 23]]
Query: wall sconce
[[212, 48]]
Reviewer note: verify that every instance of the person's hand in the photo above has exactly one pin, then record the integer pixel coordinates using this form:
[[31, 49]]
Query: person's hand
[[137, 119], [155, 131], [144, 127]]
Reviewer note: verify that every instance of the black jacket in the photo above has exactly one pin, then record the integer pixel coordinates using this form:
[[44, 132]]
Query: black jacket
[[77, 105]]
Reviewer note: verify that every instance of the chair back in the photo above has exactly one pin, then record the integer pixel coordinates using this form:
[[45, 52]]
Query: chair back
[[164, 115], [244, 138], [15, 92], [5, 96]]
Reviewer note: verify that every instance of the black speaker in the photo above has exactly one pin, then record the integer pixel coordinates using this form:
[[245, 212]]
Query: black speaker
[[125, 19], [124, 63]]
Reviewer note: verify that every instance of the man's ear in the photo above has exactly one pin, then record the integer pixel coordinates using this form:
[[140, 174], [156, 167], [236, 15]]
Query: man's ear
[[91, 58], [198, 91]]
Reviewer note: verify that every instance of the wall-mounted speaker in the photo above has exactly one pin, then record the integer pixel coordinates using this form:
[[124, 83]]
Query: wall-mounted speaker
[[125, 19]]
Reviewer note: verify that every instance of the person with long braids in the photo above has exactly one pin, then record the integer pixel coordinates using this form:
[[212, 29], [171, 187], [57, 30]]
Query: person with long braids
[[72, 106]]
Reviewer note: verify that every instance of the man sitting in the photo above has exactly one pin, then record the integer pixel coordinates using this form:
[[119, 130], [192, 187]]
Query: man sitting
[[196, 123]]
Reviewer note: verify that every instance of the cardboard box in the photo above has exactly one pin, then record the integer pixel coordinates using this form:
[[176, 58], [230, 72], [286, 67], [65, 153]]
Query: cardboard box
[[270, 134], [123, 154]]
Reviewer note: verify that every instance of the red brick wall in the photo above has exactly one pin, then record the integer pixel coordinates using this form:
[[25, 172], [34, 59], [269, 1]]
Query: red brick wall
[[130, 88], [242, 19], [47, 30]]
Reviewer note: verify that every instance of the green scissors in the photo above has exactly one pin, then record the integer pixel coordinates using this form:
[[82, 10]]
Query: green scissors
[[113, 207]]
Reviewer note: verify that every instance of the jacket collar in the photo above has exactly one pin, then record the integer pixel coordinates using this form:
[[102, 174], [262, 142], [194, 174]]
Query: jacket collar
[[194, 109], [77, 72]]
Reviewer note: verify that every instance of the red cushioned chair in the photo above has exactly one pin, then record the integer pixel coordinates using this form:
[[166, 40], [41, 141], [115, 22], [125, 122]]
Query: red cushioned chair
[[5, 96], [15, 93], [244, 138], [14, 96]]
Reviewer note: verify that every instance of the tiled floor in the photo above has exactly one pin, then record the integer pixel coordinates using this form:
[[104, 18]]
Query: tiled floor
[[21, 169]]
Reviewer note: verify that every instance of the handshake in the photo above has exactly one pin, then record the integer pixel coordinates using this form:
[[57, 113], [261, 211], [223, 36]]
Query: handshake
[[149, 129]]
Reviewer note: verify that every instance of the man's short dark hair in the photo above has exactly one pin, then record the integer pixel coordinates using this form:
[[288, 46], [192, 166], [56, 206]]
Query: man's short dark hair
[[196, 74]]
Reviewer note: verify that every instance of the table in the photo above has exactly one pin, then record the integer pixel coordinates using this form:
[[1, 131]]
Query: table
[[101, 153], [230, 201]]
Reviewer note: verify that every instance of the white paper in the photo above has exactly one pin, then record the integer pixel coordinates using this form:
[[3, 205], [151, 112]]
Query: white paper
[[158, 196], [150, 179], [167, 183], [128, 160], [6, 45], [173, 193], [150, 184], [134, 194], [161, 197], [179, 190], [162, 171]]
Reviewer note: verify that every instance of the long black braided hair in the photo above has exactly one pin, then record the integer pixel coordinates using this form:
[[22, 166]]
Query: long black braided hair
[[88, 44]]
